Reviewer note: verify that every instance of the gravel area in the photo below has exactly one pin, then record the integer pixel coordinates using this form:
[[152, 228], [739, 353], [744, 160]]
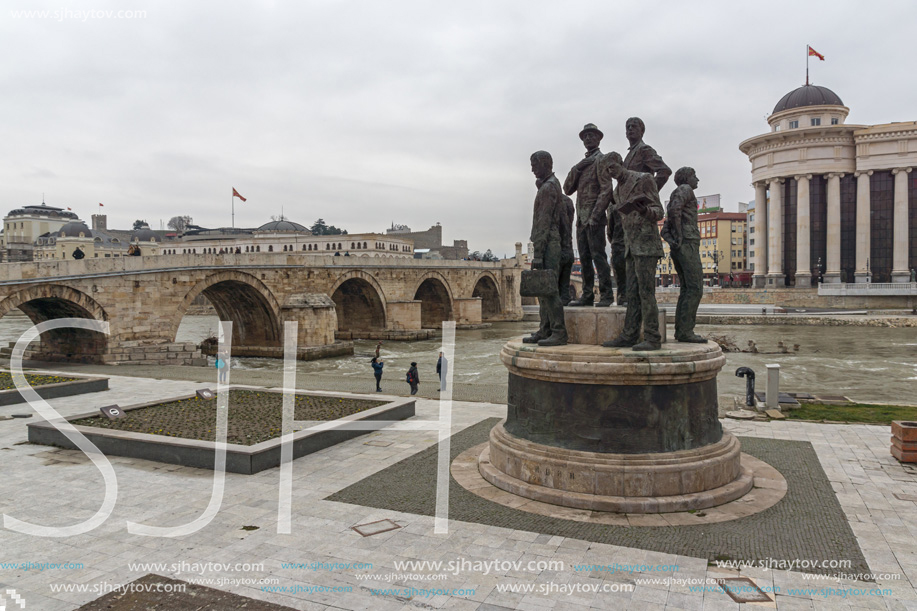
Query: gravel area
[[6, 380], [254, 416]]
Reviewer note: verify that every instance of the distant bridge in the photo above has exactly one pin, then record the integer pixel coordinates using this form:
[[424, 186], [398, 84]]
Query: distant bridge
[[144, 299]]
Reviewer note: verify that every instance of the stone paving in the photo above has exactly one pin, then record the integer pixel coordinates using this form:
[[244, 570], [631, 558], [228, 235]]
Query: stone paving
[[57, 487], [807, 523]]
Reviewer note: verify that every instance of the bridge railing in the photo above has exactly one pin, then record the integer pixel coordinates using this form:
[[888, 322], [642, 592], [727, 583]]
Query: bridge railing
[[868, 288], [42, 270]]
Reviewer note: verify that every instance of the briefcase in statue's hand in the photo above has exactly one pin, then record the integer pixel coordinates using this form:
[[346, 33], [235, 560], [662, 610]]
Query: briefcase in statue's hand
[[538, 283]]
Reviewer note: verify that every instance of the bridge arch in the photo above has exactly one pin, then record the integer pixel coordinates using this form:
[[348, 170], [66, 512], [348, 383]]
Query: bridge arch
[[51, 301], [242, 299], [436, 302], [488, 289], [359, 302]]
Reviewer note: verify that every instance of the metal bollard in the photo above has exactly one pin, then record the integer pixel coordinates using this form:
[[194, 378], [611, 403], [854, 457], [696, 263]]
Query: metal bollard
[[772, 396], [749, 374]]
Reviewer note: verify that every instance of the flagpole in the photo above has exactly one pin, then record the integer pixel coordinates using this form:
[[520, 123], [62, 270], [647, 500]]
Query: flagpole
[[807, 64], [234, 208]]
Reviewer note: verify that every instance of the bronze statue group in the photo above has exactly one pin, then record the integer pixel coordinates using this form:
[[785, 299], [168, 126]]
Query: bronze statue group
[[617, 197]]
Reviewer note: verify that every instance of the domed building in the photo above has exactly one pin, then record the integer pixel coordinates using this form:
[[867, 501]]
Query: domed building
[[283, 226], [284, 236], [22, 226], [833, 201], [96, 243], [74, 229]]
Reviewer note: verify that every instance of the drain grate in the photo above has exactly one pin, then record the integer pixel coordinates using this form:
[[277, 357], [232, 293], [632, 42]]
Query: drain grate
[[743, 590], [375, 528]]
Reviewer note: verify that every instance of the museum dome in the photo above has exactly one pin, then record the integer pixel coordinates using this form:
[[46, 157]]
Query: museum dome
[[74, 229], [808, 95], [282, 225], [144, 234]]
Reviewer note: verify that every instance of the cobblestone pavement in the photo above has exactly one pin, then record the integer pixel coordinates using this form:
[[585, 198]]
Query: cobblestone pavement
[[49, 486], [393, 384]]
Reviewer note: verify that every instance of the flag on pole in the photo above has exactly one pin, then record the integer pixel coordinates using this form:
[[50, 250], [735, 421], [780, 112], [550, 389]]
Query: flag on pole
[[236, 194], [70, 209], [814, 53], [101, 204]]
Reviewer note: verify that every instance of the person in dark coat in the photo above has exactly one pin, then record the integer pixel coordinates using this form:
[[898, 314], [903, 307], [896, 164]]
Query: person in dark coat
[[377, 371], [442, 366], [413, 378]]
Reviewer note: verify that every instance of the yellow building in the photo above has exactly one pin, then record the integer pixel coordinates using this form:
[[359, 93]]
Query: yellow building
[[94, 243], [723, 250], [22, 226]]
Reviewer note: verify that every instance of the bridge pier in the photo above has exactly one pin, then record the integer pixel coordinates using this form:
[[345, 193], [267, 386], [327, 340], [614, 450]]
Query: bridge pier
[[147, 352], [467, 311]]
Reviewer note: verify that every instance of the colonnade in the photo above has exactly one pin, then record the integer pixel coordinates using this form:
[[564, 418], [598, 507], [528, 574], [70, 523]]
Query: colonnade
[[769, 235]]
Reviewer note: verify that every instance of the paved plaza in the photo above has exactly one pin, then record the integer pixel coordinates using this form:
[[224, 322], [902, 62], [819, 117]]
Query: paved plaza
[[489, 560]]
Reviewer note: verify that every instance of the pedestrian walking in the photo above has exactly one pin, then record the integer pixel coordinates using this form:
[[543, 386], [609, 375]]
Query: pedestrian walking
[[377, 371], [442, 366], [413, 378], [221, 366]]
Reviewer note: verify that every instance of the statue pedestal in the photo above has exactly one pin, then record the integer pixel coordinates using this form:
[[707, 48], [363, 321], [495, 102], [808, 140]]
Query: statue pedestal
[[591, 325], [615, 430]]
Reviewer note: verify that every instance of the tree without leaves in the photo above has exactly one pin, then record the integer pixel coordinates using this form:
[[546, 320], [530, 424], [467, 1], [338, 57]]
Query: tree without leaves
[[180, 223]]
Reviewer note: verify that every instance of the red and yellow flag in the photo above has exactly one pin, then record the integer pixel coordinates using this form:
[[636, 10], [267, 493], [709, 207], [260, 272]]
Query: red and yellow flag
[[236, 193], [814, 53]]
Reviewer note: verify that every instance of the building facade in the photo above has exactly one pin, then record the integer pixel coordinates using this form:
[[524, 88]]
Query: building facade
[[98, 242], [723, 248], [23, 226], [429, 243], [287, 236], [833, 201]]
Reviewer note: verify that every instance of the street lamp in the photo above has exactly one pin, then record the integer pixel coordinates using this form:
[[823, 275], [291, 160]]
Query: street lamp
[[717, 255]]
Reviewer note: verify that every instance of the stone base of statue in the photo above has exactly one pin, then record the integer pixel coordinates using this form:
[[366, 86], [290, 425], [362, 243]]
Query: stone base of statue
[[615, 430]]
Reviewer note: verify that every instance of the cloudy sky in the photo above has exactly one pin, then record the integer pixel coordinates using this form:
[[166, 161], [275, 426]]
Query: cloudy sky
[[365, 113]]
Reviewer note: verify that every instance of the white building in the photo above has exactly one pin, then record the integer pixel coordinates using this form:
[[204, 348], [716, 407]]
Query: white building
[[287, 236], [831, 198]]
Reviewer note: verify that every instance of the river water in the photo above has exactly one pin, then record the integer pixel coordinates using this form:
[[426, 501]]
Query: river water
[[864, 363]]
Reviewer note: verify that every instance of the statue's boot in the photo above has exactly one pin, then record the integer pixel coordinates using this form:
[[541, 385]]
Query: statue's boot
[[646, 346], [692, 339], [605, 302], [619, 342], [582, 302], [556, 339], [534, 338]]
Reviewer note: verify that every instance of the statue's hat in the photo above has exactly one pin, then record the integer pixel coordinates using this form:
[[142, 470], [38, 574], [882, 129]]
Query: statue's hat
[[590, 127]]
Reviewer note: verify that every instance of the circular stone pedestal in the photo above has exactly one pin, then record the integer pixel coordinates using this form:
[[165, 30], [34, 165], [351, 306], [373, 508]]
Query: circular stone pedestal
[[615, 430], [624, 483]]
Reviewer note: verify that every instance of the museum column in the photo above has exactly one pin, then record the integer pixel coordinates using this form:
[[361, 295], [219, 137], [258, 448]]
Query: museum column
[[833, 256], [760, 234], [803, 256], [775, 275], [863, 227], [900, 272]]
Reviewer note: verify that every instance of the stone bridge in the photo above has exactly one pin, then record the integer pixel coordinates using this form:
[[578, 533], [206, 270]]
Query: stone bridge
[[144, 299]]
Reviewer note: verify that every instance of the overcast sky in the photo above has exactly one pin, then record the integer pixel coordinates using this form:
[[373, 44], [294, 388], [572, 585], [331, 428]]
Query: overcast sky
[[412, 112]]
